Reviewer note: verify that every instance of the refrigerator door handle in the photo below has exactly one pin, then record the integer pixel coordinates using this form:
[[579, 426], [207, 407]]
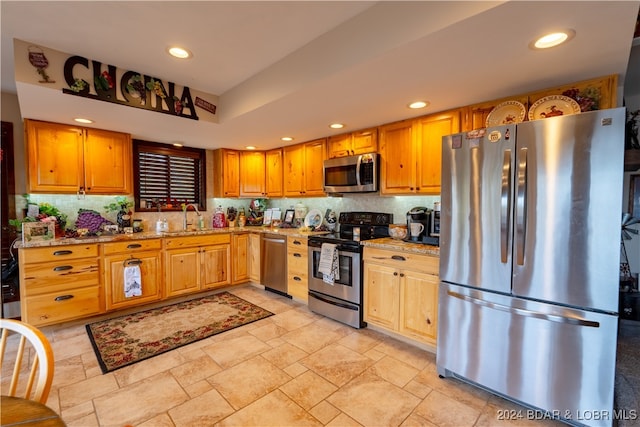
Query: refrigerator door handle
[[505, 201], [526, 313], [521, 206]]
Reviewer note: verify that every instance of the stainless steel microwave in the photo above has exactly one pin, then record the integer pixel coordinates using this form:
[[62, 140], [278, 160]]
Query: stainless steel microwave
[[352, 174]]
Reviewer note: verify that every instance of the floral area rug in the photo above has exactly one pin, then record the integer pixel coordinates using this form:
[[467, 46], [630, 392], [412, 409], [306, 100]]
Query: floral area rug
[[125, 340]]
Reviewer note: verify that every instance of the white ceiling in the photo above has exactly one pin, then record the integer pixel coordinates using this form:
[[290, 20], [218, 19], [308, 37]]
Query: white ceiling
[[293, 67]]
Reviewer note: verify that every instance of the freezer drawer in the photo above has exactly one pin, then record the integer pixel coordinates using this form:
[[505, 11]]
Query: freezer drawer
[[553, 358]]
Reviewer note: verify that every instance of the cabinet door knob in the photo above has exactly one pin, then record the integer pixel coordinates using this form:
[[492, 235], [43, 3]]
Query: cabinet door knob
[[401, 274], [428, 321], [395, 273]]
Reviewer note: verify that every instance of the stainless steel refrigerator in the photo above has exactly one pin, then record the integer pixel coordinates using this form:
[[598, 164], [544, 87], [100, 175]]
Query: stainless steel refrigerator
[[529, 262]]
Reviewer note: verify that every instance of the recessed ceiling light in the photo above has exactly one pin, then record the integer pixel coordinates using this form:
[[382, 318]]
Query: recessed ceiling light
[[250, 147], [81, 120], [336, 125], [552, 39], [418, 104], [179, 52], [286, 138]]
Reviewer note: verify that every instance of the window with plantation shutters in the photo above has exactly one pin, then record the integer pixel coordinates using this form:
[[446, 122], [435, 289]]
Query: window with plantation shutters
[[168, 176]]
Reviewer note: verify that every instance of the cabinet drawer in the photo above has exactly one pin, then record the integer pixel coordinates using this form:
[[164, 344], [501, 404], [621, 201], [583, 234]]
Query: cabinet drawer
[[297, 262], [297, 243], [58, 253], [129, 246], [417, 262], [190, 241], [51, 277], [298, 277], [59, 307]]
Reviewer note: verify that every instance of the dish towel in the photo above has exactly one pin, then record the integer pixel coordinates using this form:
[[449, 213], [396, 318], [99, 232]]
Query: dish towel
[[329, 264], [132, 281]]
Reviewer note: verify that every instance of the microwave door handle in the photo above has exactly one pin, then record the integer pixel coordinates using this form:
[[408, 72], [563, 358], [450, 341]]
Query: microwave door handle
[[358, 164]]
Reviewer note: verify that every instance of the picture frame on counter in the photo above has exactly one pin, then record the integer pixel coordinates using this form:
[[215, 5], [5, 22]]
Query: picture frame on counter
[[38, 231], [288, 216]]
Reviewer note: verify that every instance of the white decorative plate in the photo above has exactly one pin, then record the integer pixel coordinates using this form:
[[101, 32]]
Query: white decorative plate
[[313, 218], [552, 106], [506, 113]]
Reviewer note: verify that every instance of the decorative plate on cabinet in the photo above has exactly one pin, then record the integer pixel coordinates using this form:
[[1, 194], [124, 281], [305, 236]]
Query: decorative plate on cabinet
[[553, 106], [506, 113]]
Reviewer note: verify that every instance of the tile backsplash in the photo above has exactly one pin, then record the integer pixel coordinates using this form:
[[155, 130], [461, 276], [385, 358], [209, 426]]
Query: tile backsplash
[[396, 205]]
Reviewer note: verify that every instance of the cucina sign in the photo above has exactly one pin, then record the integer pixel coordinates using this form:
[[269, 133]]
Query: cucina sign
[[80, 76]]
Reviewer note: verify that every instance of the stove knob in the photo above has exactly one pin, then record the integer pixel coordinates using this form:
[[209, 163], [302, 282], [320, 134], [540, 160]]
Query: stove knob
[[381, 219]]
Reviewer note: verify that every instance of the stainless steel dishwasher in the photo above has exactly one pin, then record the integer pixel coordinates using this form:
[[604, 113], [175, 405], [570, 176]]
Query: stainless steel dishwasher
[[274, 263]]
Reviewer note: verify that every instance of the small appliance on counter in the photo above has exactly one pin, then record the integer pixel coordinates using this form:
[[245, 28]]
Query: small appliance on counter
[[423, 225]]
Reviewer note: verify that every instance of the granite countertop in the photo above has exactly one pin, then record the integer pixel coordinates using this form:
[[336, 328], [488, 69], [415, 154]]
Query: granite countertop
[[293, 232], [400, 245]]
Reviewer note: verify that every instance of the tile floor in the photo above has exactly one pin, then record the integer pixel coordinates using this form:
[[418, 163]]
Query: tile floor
[[292, 369]]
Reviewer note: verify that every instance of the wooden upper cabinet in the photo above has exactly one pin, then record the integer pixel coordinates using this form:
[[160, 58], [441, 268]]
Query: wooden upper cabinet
[[252, 174], [349, 144], [293, 156], [273, 173], [428, 134], [107, 162], [398, 164], [314, 155], [411, 152], [226, 172], [72, 159], [303, 167]]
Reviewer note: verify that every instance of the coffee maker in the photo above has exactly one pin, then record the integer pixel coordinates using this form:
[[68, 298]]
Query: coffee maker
[[418, 223], [426, 225]]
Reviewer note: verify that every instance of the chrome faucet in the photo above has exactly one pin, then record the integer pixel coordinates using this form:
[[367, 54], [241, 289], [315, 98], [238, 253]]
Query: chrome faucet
[[184, 221]]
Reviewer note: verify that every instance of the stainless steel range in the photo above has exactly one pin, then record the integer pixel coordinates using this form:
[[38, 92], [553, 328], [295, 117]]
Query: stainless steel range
[[342, 300]]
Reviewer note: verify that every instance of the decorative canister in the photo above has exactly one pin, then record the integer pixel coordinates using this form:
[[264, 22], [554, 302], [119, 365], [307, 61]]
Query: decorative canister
[[218, 218], [300, 213]]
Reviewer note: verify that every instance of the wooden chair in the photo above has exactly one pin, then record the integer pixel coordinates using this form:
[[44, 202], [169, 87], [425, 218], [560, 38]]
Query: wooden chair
[[41, 370]]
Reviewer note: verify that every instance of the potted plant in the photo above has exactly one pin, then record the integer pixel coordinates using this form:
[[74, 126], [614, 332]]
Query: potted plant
[[46, 213]]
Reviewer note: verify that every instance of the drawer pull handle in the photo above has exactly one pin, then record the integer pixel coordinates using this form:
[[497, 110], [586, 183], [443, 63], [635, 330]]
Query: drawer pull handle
[[63, 268], [296, 278], [133, 261], [57, 253], [297, 255], [134, 246], [63, 297], [297, 242], [398, 258]]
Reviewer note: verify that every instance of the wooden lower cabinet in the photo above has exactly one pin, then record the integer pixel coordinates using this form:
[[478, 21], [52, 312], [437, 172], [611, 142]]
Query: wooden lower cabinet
[[239, 260], [254, 257], [196, 263], [59, 283], [298, 268], [146, 255], [401, 293]]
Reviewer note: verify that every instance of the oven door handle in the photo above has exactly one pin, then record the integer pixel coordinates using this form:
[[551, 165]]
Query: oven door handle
[[328, 301]]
